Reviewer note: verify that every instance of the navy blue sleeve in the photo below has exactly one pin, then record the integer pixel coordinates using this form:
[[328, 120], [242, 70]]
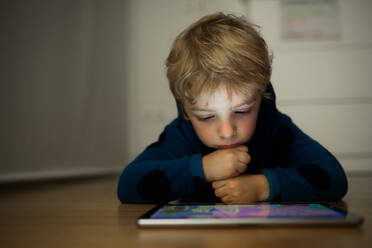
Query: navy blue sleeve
[[308, 172], [163, 172]]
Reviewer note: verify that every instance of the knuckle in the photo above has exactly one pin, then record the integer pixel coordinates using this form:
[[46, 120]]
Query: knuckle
[[231, 185], [249, 157], [235, 194]]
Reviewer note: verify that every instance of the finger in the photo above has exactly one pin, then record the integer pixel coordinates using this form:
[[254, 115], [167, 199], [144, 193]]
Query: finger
[[242, 148], [241, 167], [220, 192], [226, 199], [218, 184], [244, 157]]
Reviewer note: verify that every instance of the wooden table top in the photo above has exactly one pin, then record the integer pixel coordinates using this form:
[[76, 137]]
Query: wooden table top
[[86, 213]]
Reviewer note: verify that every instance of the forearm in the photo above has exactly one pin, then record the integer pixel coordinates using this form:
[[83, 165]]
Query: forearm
[[319, 184], [313, 181], [150, 181]]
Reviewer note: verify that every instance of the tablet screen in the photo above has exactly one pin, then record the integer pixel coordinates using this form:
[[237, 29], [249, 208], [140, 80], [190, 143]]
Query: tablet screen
[[246, 211]]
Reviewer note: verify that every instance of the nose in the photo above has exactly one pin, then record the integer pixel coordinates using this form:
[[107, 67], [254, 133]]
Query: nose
[[226, 129]]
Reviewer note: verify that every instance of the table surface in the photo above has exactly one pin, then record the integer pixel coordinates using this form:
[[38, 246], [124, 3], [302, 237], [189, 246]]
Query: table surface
[[86, 213]]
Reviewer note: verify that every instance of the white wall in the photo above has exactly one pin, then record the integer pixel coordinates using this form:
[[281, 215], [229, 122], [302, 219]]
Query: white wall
[[323, 85], [62, 88], [83, 86]]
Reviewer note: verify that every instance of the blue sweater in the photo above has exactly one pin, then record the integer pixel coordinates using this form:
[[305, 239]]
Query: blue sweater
[[297, 167]]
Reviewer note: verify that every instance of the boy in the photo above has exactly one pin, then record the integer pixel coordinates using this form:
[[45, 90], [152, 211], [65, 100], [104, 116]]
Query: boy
[[229, 142]]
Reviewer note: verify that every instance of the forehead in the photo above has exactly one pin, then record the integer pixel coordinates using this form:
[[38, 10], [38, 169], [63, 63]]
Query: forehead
[[220, 98]]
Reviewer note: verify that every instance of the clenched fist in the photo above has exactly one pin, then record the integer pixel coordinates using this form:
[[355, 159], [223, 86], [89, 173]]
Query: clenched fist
[[242, 189], [225, 163]]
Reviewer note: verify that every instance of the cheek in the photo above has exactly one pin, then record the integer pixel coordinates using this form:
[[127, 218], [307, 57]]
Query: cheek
[[246, 127], [205, 132]]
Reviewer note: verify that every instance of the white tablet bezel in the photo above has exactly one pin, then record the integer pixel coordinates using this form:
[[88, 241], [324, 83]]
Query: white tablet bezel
[[348, 220]]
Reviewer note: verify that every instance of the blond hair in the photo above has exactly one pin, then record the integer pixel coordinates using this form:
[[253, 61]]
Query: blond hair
[[218, 50]]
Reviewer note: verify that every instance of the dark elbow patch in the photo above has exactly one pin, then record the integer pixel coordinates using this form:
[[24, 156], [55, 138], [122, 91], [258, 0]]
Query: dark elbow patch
[[317, 177], [154, 186], [204, 193]]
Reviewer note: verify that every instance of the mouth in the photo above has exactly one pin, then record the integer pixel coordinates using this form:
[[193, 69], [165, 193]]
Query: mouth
[[228, 146]]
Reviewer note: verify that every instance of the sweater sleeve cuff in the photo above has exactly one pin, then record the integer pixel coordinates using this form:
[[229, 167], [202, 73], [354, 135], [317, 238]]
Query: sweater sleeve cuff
[[196, 166], [273, 184]]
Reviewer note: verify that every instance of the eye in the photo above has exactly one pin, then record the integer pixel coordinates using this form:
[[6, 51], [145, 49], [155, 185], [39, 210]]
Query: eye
[[205, 118], [243, 111]]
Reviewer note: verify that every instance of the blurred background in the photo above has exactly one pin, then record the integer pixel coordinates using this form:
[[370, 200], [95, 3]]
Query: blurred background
[[83, 85]]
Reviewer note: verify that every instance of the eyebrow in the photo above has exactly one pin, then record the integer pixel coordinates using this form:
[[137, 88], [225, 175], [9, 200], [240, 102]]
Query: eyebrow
[[200, 109], [250, 104]]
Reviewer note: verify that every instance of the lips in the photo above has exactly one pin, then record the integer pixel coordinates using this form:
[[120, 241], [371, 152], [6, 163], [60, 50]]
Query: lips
[[228, 146]]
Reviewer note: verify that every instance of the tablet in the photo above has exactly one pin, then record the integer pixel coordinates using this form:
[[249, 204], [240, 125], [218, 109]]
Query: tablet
[[246, 214]]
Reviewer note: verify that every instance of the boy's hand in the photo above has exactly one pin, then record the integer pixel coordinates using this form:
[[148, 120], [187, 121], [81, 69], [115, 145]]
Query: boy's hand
[[242, 189], [225, 163]]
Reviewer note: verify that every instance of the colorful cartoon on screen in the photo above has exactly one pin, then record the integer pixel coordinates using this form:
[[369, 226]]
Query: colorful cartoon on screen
[[245, 211]]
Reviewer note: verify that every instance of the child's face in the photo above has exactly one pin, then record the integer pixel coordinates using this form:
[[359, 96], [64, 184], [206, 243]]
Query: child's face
[[221, 121]]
